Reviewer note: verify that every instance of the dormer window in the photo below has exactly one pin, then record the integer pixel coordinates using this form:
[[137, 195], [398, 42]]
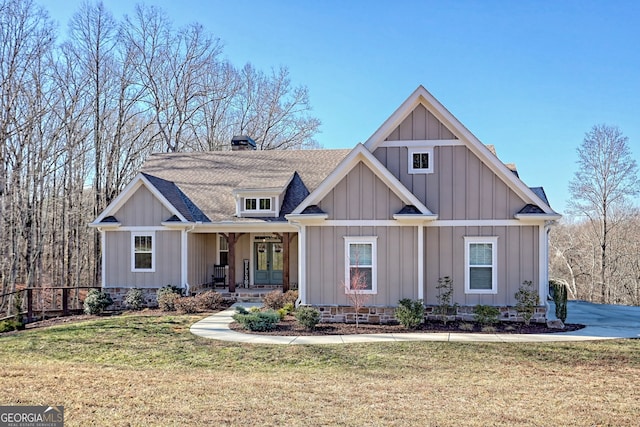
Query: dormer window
[[420, 160], [258, 204]]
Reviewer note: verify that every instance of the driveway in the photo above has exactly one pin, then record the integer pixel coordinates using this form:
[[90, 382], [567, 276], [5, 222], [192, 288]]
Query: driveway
[[604, 320]]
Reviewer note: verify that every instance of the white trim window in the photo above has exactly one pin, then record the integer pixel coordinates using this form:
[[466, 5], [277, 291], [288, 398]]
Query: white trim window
[[258, 204], [360, 274], [481, 265], [420, 160], [223, 250], [143, 252]]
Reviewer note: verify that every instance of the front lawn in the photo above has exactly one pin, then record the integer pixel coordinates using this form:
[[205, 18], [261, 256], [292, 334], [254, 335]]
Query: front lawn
[[150, 370]]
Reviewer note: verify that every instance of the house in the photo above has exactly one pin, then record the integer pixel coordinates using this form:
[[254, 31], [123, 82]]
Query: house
[[421, 199]]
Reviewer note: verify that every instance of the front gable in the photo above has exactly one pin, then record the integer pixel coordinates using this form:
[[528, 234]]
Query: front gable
[[139, 204], [422, 123], [360, 188], [361, 195]]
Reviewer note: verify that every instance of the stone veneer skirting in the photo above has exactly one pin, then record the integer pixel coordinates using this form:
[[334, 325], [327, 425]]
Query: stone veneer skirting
[[347, 314], [118, 295]]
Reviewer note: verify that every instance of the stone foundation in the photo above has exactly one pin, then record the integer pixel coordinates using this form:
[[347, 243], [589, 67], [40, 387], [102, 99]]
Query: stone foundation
[[346, 314], [118, 295], [507, 314]]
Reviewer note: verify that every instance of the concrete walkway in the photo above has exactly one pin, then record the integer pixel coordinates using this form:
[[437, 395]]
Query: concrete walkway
[[603, 322]]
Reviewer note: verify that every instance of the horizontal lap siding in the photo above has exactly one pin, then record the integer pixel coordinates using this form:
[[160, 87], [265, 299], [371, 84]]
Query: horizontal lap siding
[[517, 261], [396, 264], [118, 261]]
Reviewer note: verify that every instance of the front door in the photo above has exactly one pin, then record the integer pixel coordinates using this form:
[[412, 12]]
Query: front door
[[268, 262]]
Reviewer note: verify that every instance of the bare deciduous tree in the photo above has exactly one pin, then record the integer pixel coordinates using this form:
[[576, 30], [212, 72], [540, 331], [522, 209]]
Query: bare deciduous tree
[[606, 178]]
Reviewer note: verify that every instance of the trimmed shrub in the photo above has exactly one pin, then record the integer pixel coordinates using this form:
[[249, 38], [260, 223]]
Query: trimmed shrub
[[134, 299], [167, 296], [209, 300], [96, 302], [257, 321], [308, 317], [410, 313], [560, 298], [527, 301], [486, 314], [186, 305]]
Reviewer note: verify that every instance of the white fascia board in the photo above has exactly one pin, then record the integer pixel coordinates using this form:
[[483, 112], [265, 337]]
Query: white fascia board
[[361, 154], [415, 219], [105, 225], [307, 219], [246, 227], [177, 225], [129, 191], [422, 96], [537, 218]]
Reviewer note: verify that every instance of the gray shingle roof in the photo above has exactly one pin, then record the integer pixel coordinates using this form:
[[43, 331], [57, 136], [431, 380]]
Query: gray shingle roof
[[200, 185]]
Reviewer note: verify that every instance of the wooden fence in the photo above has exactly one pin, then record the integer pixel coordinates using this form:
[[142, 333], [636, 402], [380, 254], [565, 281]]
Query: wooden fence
[[34, 303]]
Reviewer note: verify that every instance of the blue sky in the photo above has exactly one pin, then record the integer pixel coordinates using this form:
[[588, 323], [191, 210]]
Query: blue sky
[[530, 77]]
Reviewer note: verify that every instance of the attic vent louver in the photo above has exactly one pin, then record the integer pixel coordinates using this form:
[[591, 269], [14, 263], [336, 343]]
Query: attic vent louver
[[242, 142]]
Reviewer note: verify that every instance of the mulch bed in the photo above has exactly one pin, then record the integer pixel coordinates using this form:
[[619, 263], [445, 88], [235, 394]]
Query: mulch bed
[[290, 326]]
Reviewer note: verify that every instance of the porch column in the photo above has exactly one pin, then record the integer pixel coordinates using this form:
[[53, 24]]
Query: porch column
[[285, 262], [231, 239]]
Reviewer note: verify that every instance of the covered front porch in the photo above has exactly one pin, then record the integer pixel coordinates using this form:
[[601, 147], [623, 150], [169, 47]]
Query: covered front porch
[[243, 264]]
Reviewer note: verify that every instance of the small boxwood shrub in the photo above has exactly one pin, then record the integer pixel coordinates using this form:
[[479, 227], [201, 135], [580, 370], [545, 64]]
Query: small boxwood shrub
[[134, 299], [308, 317], [486, 314], [96, 302], [410, 313], [167, 296], [257, 321], [209, 300]]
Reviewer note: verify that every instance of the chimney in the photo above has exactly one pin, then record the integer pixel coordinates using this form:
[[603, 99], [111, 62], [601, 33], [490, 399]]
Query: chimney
[[242, 143]]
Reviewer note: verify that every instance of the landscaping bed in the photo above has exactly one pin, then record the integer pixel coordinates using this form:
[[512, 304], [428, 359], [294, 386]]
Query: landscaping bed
[[289, 326]]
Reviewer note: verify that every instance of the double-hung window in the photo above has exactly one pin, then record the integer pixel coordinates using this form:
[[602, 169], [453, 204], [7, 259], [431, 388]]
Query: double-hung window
[[360, 271], [481, 265], [143, 257], [223, 250]]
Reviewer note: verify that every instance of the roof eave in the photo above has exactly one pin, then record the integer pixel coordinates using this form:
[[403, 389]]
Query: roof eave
[[415, 218], [536, 218]]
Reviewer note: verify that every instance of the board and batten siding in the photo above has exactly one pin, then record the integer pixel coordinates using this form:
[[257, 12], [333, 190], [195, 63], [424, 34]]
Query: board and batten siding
[[202, 248], [518, 256], [460, 187], [420, 125], [118, 261], [361, 195], [396, 264], [142, 209]]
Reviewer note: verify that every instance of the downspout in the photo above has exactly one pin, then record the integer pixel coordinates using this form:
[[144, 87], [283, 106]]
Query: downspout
[[421, 262], [543, 289], [103, 255], [185, 259], [302, 267]]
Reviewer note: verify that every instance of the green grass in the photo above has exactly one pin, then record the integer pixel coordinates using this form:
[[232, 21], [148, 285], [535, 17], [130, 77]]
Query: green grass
[[148, 370]]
